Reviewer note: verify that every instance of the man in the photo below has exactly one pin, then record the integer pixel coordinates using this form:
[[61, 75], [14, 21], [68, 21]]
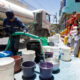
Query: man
[[77, 43], [12, 24]]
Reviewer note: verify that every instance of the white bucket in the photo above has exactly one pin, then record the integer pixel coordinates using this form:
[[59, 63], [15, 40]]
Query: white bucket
[[56, 63], [46, 48], [7, 68], [55, 50], [54, 60], [66, 53], [28, 55]]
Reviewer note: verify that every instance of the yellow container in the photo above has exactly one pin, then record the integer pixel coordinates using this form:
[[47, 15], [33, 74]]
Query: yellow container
[[79, 53], [63, 32], [65, 40]]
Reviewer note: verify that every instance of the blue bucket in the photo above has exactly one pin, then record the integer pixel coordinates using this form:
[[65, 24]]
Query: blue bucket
[[6, 54]]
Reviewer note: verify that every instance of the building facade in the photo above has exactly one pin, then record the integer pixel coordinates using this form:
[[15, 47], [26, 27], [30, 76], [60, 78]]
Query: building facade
[[67, 8]]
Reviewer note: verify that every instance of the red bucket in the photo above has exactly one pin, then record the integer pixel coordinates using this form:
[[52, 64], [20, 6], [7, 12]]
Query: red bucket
[[17, 66]]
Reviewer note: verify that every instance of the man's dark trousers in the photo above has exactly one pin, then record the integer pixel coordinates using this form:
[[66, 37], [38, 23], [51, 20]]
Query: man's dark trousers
[[14, 44]]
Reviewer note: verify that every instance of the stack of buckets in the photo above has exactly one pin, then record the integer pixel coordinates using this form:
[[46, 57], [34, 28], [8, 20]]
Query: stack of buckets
[[46, 67], [28, 64], [53, 56]]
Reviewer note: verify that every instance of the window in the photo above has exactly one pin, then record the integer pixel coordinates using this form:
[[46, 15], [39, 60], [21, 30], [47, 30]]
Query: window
[[77, 0], [64, 3], [48, 17]]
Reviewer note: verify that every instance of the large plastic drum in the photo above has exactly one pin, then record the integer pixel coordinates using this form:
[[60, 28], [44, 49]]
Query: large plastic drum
[[28, 55], [7, 68]]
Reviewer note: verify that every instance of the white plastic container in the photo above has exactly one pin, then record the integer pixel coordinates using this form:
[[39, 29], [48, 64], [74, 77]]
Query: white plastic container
[[55, 62], [46, 48], [55, 50], [28, 55], [66, 53], [7, 68]]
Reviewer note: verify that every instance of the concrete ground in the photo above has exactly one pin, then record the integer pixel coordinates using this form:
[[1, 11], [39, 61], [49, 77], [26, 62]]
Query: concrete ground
[[67, 71]]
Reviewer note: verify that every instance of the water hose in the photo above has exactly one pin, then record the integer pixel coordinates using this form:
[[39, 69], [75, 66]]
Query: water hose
[[26, 34]]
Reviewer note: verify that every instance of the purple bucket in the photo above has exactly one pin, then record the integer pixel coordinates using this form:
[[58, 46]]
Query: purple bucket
[[46, 70], [48, 54], [28, 69]]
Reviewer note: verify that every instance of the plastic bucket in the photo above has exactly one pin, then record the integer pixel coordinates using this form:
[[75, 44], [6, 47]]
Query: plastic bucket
[[28, 68], [56, 63], [65, 54], [46, 70], [47, 48], [55, 50], [7, 68], [28, 55], [17, 63]]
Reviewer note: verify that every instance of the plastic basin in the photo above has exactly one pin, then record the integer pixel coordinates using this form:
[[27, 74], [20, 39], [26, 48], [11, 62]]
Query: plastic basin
[[28, 68], [46, 70], [17, 66]]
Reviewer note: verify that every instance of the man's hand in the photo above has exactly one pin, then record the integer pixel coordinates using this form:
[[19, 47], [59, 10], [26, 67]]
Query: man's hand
[[24, 31]]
